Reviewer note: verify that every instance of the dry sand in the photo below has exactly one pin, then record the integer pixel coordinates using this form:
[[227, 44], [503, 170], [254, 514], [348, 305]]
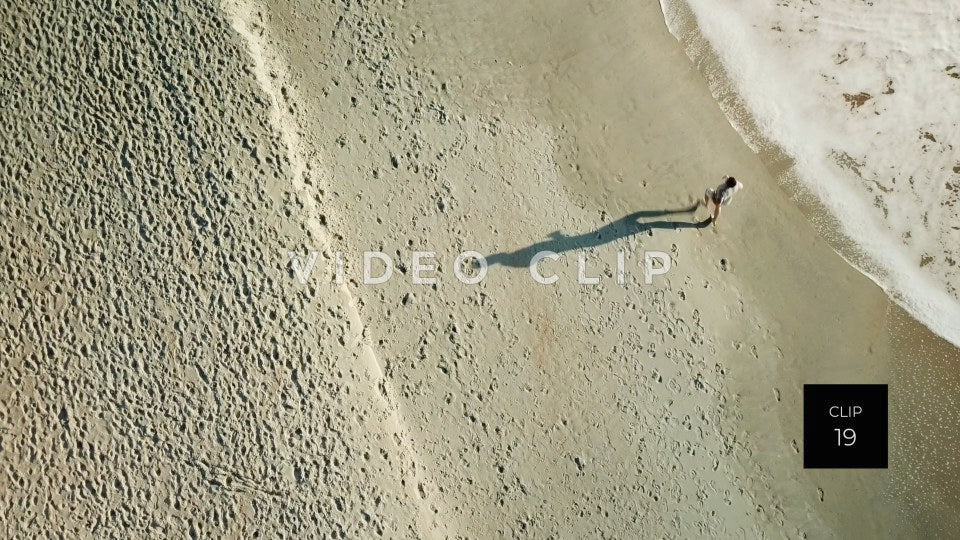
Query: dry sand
[[168, 376]]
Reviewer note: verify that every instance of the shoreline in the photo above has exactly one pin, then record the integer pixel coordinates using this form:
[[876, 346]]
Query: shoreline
[[836, 306], [168, 371], [561, 142], [783, 168], [915, 351]]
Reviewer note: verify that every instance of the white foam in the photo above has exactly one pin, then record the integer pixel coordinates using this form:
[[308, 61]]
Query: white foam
[[863, 96]]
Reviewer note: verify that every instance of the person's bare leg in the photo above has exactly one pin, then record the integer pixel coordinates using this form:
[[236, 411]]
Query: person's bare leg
[[716, 214]]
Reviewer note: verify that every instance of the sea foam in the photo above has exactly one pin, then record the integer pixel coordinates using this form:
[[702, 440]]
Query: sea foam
[[865, 97]]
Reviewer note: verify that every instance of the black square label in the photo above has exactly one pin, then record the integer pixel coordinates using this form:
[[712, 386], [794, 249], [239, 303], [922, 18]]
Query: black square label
[[845, 426]]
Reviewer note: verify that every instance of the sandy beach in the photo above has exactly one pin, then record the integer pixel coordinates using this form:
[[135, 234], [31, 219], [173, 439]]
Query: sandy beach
[[168, 375]]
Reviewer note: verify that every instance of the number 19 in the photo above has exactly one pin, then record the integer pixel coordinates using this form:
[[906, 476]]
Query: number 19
[[847, 437]]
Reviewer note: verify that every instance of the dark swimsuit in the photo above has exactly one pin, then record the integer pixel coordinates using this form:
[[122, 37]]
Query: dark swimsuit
[[718, 196]]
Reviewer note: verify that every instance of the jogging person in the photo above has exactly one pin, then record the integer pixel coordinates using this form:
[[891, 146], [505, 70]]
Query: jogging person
[[721, 196]]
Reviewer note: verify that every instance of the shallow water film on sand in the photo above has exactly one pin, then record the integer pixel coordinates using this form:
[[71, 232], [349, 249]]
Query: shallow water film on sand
[[864, 97], [384, 269]]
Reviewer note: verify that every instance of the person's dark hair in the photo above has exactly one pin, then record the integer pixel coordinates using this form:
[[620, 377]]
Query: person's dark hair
[[731, 181]]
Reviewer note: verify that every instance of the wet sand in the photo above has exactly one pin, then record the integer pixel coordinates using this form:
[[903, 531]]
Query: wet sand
[[243, 401]]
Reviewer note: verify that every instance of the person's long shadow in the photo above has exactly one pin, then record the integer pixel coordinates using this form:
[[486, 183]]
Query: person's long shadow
[[628, 225]]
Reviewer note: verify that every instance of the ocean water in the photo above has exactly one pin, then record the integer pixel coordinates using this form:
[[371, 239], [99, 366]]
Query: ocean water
[[864, 95]]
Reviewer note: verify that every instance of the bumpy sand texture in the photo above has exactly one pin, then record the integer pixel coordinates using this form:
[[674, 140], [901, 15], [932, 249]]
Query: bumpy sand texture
[[164, 374], [168, 376]]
